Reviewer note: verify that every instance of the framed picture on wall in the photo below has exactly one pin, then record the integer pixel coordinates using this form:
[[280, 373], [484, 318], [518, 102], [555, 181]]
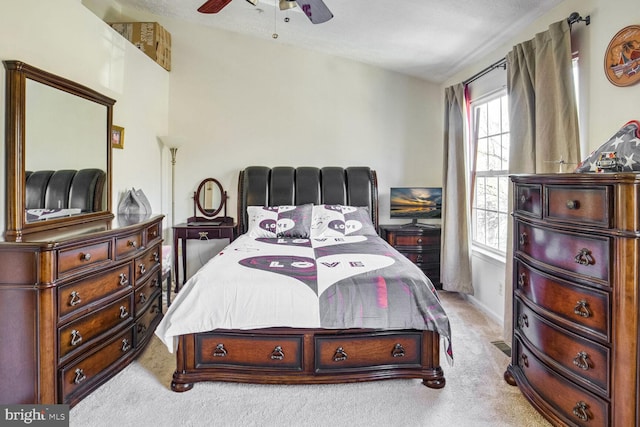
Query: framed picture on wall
[[622, 58], [117, 137]]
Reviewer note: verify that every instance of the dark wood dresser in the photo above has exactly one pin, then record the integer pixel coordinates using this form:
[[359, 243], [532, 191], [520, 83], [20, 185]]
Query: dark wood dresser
[[576, 298], [421, 244], [75, 310]]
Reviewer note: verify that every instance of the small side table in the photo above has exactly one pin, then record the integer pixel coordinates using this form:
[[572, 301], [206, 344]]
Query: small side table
[[421, 244], [196, 231]]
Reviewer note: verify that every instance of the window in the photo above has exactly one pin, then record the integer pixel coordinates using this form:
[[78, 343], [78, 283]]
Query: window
[[489, 210]]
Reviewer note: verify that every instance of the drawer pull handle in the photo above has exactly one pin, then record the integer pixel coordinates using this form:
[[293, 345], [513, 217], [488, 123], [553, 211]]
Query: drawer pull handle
[[74, 298], [419, 240], [419, 258], [204, 235], [524, 361], [155, 283], [573, 204], [80, 376], [131, 243], [123, 279], [581, 410], [156, 309], [398, 350], [277, 353], [123, 312], [85, 257], [581, 309], [523, 199], [220, 351], [339, 355], [523, 321], [584, 257], [522, 280], [76, 337], [125, 345], [156, 257], [142, 329], [154, 233], [582, 361], [143, 297], [523, 239], [142, 269]]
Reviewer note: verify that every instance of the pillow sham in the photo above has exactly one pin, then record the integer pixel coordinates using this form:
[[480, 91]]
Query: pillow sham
[[327, 221], [340, 220], [358, 221], [279, 221]]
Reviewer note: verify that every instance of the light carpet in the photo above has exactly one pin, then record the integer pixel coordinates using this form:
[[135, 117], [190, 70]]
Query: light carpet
[[475, 393]]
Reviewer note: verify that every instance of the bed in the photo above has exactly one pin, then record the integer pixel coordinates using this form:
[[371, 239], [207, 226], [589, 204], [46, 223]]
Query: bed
[[308, 292]]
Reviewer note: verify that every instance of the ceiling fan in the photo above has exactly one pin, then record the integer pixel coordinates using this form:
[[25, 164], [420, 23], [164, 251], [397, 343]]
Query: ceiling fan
[[316, 10]]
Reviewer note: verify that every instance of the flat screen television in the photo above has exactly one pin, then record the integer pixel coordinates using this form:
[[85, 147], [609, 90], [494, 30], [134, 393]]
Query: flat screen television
[[416, 203]]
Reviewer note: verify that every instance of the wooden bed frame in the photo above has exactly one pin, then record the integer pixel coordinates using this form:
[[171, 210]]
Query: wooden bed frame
[[307, 356]]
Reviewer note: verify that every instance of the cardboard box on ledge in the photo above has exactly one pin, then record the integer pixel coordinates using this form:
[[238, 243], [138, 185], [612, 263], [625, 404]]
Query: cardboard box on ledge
[[149, 37]]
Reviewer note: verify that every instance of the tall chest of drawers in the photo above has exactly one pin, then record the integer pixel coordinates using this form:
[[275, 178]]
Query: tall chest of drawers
[[76, 310], [576, 300]]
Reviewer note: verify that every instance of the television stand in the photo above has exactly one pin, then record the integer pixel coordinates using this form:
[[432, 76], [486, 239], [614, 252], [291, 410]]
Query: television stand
[[414, 223]]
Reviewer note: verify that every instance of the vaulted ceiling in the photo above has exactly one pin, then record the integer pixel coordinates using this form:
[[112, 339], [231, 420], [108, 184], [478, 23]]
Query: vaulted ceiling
[[430, 39]]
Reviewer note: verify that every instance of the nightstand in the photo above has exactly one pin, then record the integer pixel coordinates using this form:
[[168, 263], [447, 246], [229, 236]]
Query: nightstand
[[197, 231], [421, 244]]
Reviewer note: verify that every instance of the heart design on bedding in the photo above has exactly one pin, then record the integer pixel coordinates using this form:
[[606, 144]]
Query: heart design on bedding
[[336, 268], [268, 225], [302, 269]]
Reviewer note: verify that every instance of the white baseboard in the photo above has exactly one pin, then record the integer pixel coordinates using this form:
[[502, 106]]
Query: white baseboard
[[484, 309]]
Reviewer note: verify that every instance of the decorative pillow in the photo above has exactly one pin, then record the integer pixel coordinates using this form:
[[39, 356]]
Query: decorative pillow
[[327, 221], [294, 221], [279, 221], [262, 221], [621, 153], [358, 221]]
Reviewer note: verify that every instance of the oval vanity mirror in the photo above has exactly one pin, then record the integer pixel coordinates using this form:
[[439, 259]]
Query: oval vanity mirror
[[209, 200]]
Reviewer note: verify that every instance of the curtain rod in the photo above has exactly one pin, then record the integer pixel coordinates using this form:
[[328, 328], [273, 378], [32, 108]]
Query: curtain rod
[[502, 63]]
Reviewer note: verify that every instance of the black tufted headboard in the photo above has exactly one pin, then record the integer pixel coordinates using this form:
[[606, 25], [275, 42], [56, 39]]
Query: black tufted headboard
[[284, 185]]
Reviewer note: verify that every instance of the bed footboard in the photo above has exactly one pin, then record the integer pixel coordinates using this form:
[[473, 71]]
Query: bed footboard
[[302, 356]]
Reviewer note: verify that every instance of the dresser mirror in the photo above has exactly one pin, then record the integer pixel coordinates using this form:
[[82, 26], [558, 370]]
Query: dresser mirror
[[208, 201], [57, 139]]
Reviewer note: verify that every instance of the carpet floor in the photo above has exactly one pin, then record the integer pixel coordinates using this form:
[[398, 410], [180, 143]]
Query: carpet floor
[[475, 393]]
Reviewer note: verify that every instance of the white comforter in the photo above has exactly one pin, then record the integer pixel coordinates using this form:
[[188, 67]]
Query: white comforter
[[346, 282]]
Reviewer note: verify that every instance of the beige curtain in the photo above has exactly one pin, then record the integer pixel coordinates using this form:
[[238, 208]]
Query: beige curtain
[[455, 263], [543, 116]]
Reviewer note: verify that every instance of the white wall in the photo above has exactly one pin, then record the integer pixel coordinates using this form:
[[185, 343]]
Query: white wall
[[65, 38], [604, 107]]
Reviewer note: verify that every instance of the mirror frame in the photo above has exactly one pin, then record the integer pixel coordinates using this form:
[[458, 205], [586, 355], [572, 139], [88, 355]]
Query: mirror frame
[[197, 196], [16, 225]]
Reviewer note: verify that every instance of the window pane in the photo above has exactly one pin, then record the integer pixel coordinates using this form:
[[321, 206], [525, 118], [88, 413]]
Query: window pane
[[482, 163], [503, 193], [494, 117], [492, 229], [506, 142], [479, 199], [491, 193], [480, 230], [494, 153], [481, 114]]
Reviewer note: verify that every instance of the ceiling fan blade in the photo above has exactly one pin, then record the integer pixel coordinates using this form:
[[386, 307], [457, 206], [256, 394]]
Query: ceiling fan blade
[[316, 10], [213, 6]]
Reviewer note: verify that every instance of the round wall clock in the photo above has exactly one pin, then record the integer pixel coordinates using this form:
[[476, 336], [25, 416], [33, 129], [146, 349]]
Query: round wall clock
[[622, 58]]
